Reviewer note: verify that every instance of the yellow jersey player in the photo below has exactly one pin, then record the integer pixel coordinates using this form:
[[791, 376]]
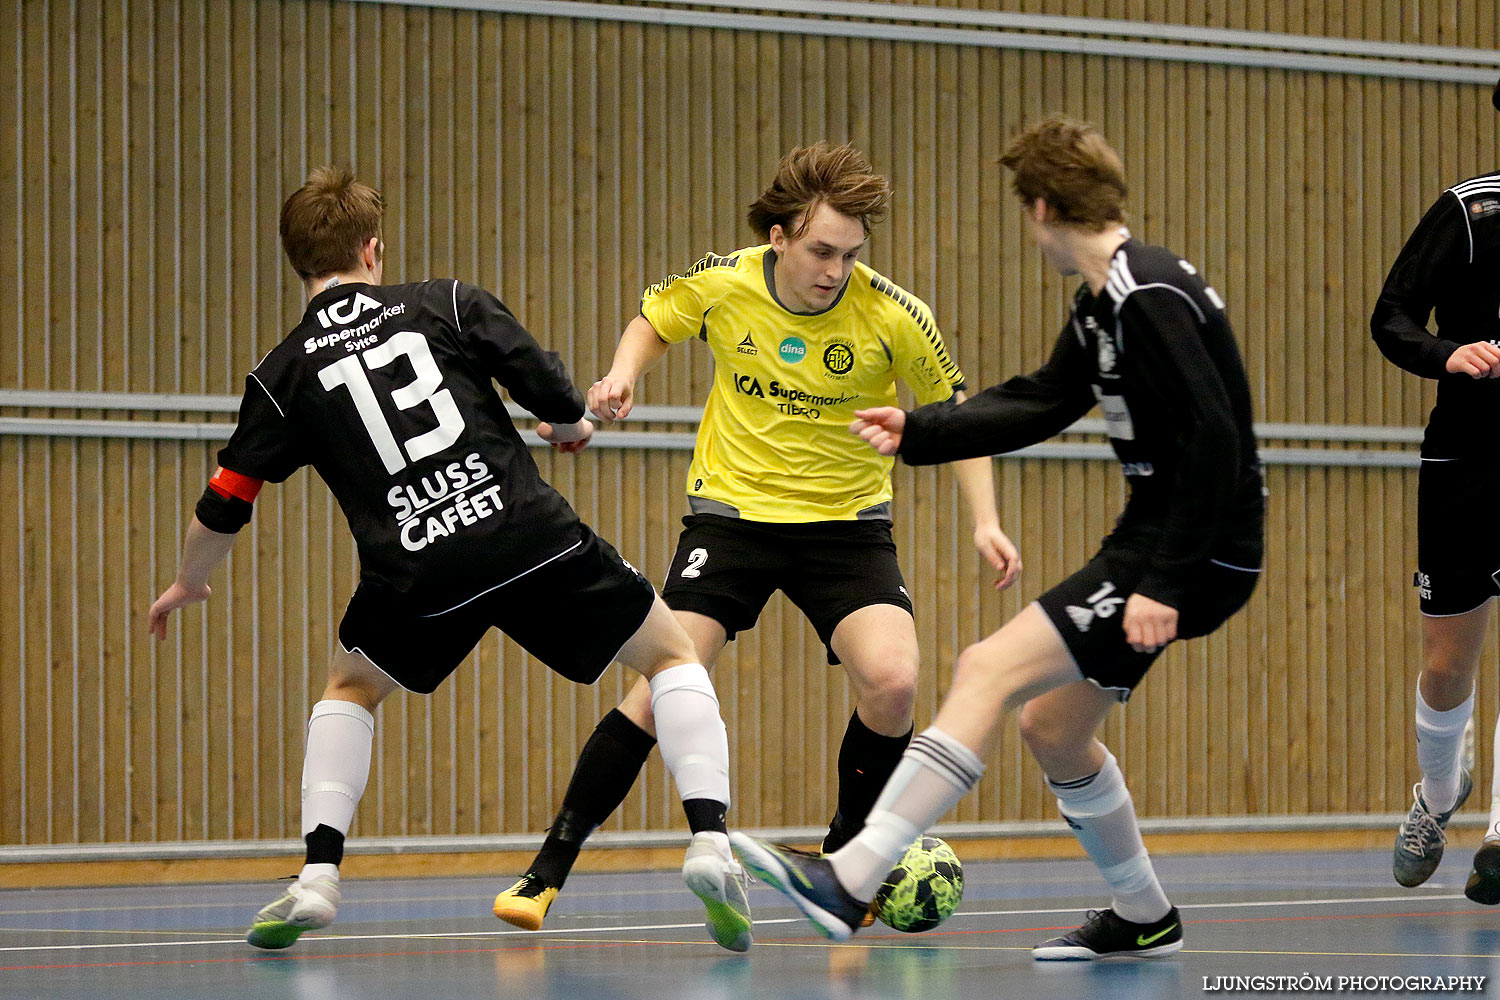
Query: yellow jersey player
[[781, 496]]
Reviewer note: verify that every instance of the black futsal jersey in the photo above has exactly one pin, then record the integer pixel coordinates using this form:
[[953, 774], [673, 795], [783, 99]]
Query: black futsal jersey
[[387, 392], [1451, 264], [1156, 353]]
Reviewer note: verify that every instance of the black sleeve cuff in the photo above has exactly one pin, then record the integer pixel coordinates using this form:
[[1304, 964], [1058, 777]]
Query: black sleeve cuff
[[1162, 590], [226, 515], [919, 444]]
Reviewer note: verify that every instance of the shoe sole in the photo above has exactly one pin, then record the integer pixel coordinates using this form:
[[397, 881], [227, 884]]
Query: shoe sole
[[273, 935], [1078, 953], [528, 918], [1484, 881], [1412, 881], [767, 867], [730, 928]]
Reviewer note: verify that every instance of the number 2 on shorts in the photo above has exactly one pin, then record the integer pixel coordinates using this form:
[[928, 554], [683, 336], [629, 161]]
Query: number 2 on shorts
[[696, 559]]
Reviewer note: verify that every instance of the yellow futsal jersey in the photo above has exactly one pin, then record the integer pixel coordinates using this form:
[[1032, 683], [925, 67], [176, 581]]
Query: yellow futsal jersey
[[774, 442]]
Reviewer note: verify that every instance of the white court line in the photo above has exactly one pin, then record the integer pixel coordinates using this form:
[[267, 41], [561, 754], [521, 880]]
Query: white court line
[[129, 907], [636, 928], [538, 935], [1408, 898]]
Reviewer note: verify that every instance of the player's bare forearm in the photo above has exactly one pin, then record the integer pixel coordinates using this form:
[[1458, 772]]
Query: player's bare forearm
[[613, 396], [638, 351], [202, 552], [976, 479]]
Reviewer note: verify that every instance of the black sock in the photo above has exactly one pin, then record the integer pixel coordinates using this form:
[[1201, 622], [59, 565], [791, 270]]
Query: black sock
[[866, 760], [606, 769], [325, 846], [705, 815]]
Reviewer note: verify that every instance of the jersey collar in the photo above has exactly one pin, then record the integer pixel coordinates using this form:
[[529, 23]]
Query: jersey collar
[[327, 295], [769, 267]]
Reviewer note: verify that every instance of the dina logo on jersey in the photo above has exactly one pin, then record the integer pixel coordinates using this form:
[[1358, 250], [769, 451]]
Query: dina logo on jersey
[[346, 311], [747, 346], [838, 358], [792, 350]]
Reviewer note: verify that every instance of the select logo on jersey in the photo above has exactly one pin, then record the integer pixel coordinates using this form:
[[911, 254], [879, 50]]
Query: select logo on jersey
[[838, 358], [747, 347], [443, 503], [354, 338], [1099, 605], [792, 350]]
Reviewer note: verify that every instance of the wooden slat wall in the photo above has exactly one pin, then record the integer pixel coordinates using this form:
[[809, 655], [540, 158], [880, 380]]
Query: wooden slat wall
[[147, 148]]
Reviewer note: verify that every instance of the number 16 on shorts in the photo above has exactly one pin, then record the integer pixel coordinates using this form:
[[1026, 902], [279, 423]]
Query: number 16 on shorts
[[1100, 605]]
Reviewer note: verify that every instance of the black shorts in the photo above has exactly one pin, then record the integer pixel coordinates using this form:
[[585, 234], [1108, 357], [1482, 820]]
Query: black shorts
[[1088, 606], [573, 613], [1458, 567], [727, 569]]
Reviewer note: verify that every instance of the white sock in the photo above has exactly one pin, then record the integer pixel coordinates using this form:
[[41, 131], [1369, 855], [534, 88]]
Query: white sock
[[337, 765], [1100, 811], [719, 840], [1494, 831], [310, 872], [690, 732], [1440, 737], [934, 774]]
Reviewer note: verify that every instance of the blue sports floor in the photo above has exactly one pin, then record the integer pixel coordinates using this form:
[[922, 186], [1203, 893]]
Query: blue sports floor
[[639, 936]]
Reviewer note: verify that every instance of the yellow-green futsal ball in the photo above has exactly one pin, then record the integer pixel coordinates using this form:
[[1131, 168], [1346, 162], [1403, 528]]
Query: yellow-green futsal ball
[[923, 889]]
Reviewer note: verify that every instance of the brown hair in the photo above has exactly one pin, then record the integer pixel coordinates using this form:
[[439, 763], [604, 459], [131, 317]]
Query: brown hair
[[327, 222], [1067, 164], [841, 176]]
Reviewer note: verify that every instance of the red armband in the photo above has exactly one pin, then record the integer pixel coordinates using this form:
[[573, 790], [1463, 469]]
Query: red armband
[[232, 484]]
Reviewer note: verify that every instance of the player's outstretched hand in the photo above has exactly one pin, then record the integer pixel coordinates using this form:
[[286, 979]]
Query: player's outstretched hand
[[178, 595], [571, 438], [1149, 625], [881, 426], [611, 399], [1478, 360], [1001, 553]]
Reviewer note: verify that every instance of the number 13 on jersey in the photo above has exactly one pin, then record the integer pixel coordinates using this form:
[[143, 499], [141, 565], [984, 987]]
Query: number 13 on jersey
[[425, 388]]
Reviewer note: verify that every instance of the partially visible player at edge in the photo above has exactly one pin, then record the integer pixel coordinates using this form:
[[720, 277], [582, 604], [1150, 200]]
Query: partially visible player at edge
[[1448, 264], [781, 497], [1148, 341], [386, 391]]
